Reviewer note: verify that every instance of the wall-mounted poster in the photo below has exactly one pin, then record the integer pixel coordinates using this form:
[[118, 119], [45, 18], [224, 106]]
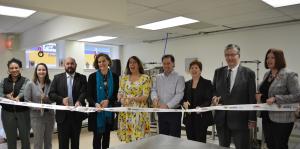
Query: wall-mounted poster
[[91, 50], [33, 56]]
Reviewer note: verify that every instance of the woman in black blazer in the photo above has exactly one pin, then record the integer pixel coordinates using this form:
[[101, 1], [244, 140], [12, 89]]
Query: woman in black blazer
[[103, 86], [198, 92]]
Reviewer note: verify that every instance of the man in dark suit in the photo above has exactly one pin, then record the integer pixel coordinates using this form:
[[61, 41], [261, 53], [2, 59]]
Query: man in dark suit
[[69, 89], [234, 84]]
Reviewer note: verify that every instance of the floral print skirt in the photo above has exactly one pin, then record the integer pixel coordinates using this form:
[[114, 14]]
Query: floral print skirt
[[133, 126]]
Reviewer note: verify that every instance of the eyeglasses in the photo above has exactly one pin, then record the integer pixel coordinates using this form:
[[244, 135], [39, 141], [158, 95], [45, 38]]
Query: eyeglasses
[[230, 55]]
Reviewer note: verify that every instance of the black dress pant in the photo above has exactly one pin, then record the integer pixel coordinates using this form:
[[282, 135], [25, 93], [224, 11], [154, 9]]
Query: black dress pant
[[196, 132], [70, 128], [170, 123], [240, 137], [276, 134], [101, 139]]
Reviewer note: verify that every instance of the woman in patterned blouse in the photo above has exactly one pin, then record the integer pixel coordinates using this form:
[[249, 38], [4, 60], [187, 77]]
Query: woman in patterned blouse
[[133, 92]]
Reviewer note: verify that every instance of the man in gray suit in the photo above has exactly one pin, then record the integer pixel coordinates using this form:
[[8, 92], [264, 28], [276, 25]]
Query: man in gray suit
[[234, 84]]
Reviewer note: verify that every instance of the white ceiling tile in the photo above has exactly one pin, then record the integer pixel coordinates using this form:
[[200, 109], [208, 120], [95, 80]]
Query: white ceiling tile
[[149, 16], [32, 21], [228, 11], [258, 15], [232, 2], [134, 8], [152, 3], [6, 22], [217, 28], [217, 6], [258, 21], [290, 10], [189, 6]]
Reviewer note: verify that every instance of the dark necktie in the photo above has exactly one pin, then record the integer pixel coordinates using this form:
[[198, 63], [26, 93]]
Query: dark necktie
[[228, 80]]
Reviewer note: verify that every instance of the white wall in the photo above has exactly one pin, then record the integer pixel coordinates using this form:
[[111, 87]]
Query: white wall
[[209, 48]]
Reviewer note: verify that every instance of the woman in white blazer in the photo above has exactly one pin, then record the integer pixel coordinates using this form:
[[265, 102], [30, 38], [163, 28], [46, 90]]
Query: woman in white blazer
[[42, 120], [279, 86]]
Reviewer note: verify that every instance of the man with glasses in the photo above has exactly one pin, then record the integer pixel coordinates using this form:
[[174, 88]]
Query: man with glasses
[[234, 84]]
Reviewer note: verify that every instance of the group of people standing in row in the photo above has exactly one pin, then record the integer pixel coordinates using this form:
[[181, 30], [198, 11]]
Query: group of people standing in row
[[232, 84]]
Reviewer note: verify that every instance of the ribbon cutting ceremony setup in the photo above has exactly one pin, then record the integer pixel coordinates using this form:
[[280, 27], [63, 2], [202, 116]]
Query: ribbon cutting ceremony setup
[[245, 107]]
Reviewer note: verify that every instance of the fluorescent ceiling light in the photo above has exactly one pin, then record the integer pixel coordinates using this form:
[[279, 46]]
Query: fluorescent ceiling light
[[15, 12], [97, 38], [281, 3], [177, 21]]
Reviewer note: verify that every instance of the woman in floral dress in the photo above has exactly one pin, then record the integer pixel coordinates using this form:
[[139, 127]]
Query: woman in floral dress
[[134, 90]]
